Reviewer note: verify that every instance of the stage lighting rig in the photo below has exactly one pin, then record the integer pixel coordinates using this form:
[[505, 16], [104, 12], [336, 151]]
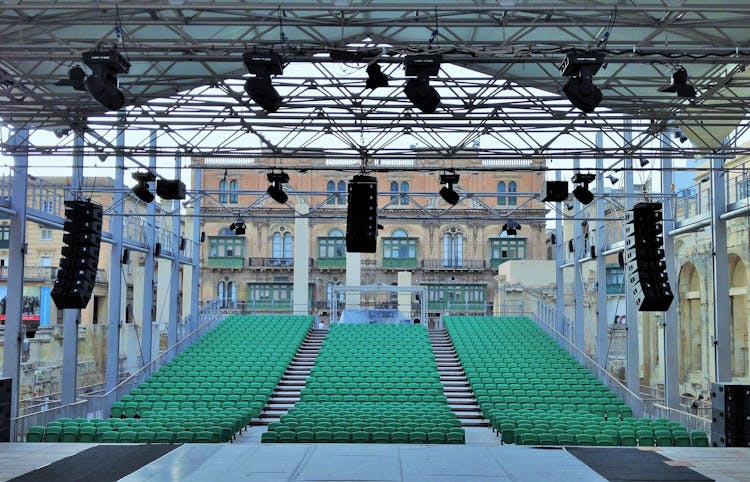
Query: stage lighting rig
[[276, 190], [418, 89], [580, 88], [447, 192], [260, 87], [142, 190], [102, 83], [581, 192], [679, 84]]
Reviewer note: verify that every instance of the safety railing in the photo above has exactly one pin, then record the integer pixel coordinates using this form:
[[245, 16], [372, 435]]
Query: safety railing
[[688, 420], [97, 405]]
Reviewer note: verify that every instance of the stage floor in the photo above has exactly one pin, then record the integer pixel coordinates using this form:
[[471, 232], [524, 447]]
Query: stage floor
[[477, 462]]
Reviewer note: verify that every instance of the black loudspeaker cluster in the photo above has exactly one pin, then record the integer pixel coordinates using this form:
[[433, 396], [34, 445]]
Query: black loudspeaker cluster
[[80, 255], [644, 257], [362, 215], [730, 415], [5, 389]]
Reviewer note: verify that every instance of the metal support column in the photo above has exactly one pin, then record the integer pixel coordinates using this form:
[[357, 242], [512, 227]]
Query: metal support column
[[301, 275], [71, 318], [579, 322], [633, 372], [602, 323], [559, 271], [670, 322], [195, 289], [174, 282], [19, 142], [115, 265], [722, 341], [147, 319]]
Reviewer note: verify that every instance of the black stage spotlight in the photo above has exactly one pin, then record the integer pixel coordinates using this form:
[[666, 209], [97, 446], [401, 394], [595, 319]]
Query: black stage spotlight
[[580, 88], [275, 190], [171, 189], [141, 189], [679, 84], [102, 83], [446, 192], [644, 162], [418, 90], [581, 192], [375, 77], [511, 228], [238, 227], [613, 179], [76, 79], [260, 88]]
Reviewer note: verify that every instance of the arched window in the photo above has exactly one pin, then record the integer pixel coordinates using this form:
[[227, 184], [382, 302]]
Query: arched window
[[276, 245], [512, 187], [288, 246], [394, 191], [335, 233], [233, 188], [226, 232], [399, 233], [404, 190], [331, 188], [453, 249], [501, 200], [342, 190], [223, 189]]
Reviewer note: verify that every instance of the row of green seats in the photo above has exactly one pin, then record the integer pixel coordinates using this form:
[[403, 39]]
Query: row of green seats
[[533, 392]]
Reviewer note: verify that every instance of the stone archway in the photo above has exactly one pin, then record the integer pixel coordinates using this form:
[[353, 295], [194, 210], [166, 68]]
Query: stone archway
[[690, 358], [739, 318]]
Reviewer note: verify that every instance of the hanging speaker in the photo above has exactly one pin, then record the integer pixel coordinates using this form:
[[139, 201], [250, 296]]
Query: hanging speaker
[[592, 250], [203, 236], [125, 256], [554, 191], [182, 244], [157, 250], [362, 215], [571, 247]]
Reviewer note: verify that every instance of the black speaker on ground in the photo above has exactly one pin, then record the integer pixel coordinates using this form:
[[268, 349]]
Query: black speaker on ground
[[362, 215], [82, 237], [644, 257], [555, 191], [6, 385], [730, 415]]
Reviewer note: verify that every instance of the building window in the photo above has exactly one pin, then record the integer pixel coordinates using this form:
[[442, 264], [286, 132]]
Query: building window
[[512, 187], [341, 198], [269, 296], [399, 251], [46, 234], [399, 193], [233, 188], [282, 246], [331, 189], [45, 261], [501, 200], [226, 247], [504, 248], [227, 294], [615, 280], [223, 189], [333, 245], [456, 298], [4, 236], [48, 206], [453, 249]]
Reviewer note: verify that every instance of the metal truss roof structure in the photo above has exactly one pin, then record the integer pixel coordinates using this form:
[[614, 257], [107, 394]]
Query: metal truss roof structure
[[500, 83]]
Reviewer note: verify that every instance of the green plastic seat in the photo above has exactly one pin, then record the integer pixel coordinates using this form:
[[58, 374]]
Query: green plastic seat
[[110, 437], [53, 433], [699, 438], [164, 437], [35, 434]]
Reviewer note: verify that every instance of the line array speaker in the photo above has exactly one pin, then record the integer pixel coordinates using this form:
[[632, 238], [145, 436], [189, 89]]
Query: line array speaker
[[82, 237], [362, 215], [730, 415], [5, 400], [644, 257]]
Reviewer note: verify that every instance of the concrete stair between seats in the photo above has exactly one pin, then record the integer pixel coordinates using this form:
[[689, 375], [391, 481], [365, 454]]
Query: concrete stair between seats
[[287, 392], [456, 387]]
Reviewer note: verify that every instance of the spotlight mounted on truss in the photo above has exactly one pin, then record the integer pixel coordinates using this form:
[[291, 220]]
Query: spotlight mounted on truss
[[418, 89], [580, 89], [238, 227], [447, 192], [276, 190], [511, 228], [260, 87], [613, 179], [581, 192], [375, 77], [102, 83], [142, 190], [679, 84]]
